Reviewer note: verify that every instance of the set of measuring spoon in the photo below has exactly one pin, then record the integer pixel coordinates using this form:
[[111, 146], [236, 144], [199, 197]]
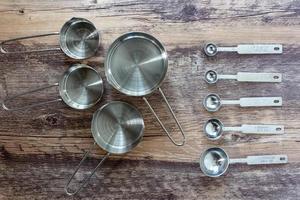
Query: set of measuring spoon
[[215, 161]]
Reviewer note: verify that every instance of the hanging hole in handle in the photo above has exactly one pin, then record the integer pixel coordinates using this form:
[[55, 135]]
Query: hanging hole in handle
[[276, 77], [276, 101], [282, 158], [278, 129], [276, 48]]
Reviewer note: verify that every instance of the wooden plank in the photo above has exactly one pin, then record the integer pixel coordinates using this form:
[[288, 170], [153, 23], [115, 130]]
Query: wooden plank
[[45, 178]]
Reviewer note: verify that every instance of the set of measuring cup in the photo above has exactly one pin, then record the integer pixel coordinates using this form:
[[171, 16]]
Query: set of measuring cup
[[215, 161], [136, 65]]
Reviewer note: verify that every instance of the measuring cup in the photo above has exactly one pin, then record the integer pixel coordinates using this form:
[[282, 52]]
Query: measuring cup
[[78, 39], [212, 49], [136, 65], [215, 161], [117, 127], [80, 87], [213, 102], [212, 77], [214, 129]]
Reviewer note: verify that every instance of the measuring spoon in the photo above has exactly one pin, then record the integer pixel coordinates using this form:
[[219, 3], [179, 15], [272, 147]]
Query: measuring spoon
[[214, 129], [215, 161], [212, 49], [213, 102], [212, 77]]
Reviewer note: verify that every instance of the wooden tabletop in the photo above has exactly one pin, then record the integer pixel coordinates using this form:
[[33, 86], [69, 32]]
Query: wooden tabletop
[[40, 148]]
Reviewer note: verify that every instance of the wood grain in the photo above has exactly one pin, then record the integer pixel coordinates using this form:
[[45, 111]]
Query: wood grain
[[183, 27]]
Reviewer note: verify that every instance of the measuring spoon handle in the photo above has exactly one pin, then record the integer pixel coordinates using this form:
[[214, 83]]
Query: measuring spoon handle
[[260, 101], [267, 159], [259, 77], [262, 129], [261, 160], [259, 49]]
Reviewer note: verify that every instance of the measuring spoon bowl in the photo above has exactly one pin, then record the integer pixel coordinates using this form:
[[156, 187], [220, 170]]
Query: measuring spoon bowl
[[210, 49], [211, 76], [214, 162], [212, 102], [213, 129]]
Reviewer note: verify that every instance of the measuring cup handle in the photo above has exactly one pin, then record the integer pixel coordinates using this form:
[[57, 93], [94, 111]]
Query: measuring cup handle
[[5, 107], [173, 115], [85, 180], [4, 51]]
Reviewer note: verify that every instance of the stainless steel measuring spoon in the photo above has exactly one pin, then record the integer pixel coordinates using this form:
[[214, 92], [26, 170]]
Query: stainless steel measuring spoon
[[214, 129], [212, 77], [215, 161], [213, 102], [212, 49], [78, 39]]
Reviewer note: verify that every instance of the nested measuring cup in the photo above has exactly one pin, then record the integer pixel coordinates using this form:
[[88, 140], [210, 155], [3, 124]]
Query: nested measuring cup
[[78, 39], [136, 65], [117, 127], [80, 87]]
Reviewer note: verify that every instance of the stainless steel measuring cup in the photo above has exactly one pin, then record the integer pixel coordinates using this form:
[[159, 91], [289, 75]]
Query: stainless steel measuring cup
[[213, 102], [80, 87], [78, 39], [214, 161], [212, 77], [117, 127], [214, 128], [136, 65], [211, 49]]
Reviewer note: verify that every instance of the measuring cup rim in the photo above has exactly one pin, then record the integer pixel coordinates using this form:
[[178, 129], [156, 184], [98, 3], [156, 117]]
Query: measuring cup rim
[[62, 37], [207, 80], [201, 162], [219, 132], [104, 146], [116, 44], [206, 51], [205, 100], [63, 91]]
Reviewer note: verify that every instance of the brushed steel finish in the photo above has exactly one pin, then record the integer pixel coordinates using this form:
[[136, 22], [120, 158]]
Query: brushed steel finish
[[117, 127], [136, 64], [81, 86], [78, 38]]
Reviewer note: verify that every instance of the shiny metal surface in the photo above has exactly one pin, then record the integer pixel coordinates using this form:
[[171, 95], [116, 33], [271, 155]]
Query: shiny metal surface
[[136, 64], [214, 162], [117, 127], [81, 86], [212, 102], [213, 129], [211, 76], [79, 38]]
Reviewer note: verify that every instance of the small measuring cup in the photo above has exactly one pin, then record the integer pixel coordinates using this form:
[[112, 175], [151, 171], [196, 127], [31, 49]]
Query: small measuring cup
[[80, 87], [213, 102], [212, 77], [214, 161], [212, 49], [78, 39], [214, 129]]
